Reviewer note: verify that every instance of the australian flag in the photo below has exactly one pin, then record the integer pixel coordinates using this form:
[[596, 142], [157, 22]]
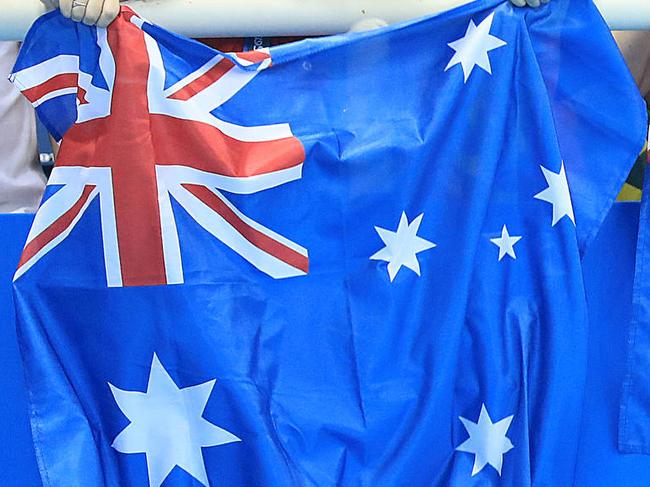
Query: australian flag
[[344, 261]]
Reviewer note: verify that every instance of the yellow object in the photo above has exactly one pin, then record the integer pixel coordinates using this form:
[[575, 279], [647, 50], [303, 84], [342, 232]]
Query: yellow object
[[629, 193]]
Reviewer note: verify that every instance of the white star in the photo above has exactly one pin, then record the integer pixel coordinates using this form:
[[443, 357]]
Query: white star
[[402, 246], [506, 243], [167, 425], [557, 194], [472, 49], [487, 441]]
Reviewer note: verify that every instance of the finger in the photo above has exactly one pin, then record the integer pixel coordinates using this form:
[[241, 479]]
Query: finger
[[533, 3], [66, 7], [545, 1], [519, 3], [109, 13], [78, 10], [93, 11]]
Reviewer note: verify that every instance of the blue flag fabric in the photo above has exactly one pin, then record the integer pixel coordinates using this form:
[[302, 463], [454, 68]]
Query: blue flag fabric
[[608, 269], [343, 261], [634, 419], [17, 460]]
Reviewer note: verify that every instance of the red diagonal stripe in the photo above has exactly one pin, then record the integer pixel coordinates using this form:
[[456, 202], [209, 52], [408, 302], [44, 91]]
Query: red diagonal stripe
[[255, 237], [57, 228], [202, 82], [58, 82], [253, 56]]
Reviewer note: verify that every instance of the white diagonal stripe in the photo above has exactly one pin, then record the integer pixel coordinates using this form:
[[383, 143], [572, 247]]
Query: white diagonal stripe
[[221, 229], [183, 82], [57, 240]]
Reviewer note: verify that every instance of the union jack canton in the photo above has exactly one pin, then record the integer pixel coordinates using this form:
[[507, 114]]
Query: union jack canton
[[135, 180]]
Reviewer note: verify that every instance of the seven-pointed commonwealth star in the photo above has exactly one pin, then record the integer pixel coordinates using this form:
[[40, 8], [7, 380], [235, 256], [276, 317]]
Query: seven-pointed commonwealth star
[[402, 246], [506, 243], [487, 441], [472, 49], [557, 194], [167, 425]]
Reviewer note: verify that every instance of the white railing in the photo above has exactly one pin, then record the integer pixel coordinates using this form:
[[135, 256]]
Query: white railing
[[243, 18]]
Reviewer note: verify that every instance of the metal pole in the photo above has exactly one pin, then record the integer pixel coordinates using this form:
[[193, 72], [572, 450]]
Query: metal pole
[[625, 14], [243, 18]]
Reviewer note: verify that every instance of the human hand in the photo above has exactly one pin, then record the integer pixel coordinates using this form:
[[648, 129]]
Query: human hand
[[90, 12], [530, 3], [635, 47]]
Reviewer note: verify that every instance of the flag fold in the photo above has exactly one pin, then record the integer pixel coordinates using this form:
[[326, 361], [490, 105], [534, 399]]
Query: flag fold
[[352, 260]]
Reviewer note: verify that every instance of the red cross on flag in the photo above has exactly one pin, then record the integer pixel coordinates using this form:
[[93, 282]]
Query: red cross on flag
[[171, 146]]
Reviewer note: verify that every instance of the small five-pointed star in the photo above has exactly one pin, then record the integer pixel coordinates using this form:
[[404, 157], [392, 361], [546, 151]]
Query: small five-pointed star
[[472, 49], [402, 246], [557, 194], [506, 243], [167, 425], [487, 441]]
